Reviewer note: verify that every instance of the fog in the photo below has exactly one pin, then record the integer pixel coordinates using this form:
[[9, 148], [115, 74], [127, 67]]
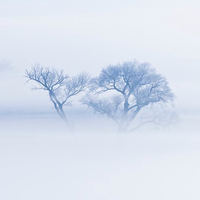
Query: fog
[[40, 159]]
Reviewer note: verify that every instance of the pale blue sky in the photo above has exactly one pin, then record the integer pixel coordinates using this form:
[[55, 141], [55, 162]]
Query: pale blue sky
[[88, 35]]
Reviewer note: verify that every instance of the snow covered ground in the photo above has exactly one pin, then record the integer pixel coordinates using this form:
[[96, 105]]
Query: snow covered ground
[[39, 160]]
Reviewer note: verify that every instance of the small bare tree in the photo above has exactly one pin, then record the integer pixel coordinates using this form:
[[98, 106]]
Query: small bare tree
[[130, 87], [59, 86]]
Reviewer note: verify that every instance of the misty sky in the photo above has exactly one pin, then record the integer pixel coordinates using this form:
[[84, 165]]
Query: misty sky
[[88, 35], [38, 159]]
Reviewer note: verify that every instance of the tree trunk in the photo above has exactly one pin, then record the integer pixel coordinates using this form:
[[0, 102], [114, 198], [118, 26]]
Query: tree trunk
[[122, 128], [125, 122], [59, 109]]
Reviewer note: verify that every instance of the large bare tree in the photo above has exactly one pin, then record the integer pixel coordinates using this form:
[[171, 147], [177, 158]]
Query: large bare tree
[[59, 86], [127, 89]]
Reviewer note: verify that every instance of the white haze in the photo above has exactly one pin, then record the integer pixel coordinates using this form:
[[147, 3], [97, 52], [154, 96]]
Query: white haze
[[39, 159]]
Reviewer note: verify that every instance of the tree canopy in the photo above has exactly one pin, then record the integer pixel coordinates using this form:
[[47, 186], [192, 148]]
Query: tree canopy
[[59, 86], [129, 87]]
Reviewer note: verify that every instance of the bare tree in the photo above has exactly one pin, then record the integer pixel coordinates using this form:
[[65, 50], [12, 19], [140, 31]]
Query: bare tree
[[59, 86], [130, 87]]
